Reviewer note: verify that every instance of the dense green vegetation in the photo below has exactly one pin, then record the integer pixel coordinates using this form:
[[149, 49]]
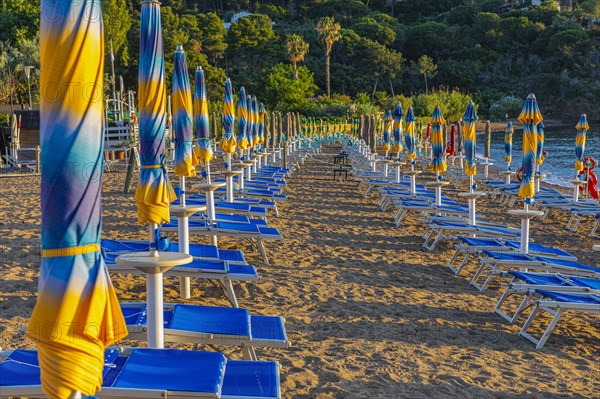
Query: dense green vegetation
[[382, 51]]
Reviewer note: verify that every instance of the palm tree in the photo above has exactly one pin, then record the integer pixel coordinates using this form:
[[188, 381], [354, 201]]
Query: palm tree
[[329, 33], [297, 49]]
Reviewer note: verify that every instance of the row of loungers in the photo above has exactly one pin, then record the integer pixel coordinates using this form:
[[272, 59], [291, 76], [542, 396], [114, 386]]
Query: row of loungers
[[172, 373], [547, 280]]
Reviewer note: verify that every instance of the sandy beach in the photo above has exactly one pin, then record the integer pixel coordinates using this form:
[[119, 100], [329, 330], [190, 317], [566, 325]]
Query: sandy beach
[[369, 312]]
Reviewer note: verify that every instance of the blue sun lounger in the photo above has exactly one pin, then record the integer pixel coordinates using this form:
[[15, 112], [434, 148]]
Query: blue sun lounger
[[256, 231], [213, 325], [223, 272], [525, 283], [198, 251], [155, 374], [556, 303], [471, 246], [437, 230], [494, 263]]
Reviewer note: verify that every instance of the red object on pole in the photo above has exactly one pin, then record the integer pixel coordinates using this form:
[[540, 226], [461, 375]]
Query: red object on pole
[[428, 131], [451, 147]]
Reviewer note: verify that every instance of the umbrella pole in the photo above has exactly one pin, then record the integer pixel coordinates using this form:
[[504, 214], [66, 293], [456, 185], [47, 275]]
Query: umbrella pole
[[438, 190], [229, 180], [184, 242], [524, 247], [154, 299], [507, 178]]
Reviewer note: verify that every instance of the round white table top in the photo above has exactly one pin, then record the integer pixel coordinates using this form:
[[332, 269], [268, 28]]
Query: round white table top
[[578, 182], [208, 186], [185, 211], [523, 214], [412, 172], [437, 183], [229, 173], [149, 264], [471, 194], [596, 247]]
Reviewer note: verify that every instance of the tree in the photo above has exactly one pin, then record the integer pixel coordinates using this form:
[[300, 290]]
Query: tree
[[297, 49], [426, 67], [284, 93], [212, 35], [251, 32], [117, 23], [329, 33]]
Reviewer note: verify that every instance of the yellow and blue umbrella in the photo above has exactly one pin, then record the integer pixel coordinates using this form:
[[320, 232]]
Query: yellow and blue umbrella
[[539, 152], [255, 123], [470, 118], [228, 141], [387, 131], [154, 192], [250, 124], [185, 160], [409, 136], [530, 117], [508, 136], [204, 150], [261, 122], [582, 128], [77, 314], [437, 141], [242, 117], [398, 114]]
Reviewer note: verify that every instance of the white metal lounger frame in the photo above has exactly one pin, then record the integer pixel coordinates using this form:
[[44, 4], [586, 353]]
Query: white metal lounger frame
[[224, 280], [555, 308], [530, 296], [186, 337], [493, 267]]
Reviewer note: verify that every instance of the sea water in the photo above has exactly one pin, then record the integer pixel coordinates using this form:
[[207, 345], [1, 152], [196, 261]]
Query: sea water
[[559, 163]]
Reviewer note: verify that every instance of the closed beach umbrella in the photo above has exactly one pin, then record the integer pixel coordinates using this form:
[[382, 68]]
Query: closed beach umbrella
[[256, 121], [181, 95], [530, 117], [242, 117], [437, 141], [398, 114], [409, 136], [387, 132], [487, 140], [204, 149], [508, 135], [228, 141], [77, 314], [469, 118], [452, 142], [539, 152], [154, 192], [582, 128], [250, 124], [261, 122]]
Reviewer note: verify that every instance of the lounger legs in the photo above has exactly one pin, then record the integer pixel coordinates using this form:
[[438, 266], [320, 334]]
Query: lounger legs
[[227, 286], [462, 264], [540, 342], [263, 252], [249, 353]]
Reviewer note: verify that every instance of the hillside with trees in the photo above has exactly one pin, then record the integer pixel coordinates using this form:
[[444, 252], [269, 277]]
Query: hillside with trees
[[335, 57]]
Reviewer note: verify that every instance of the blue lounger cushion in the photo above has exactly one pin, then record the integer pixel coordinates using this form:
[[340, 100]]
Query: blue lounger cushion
[[196, 250], [268, 329], [540, 278], [566, 297], [481, 242], [232, 256], [592, 283], [568, 263], [244, 378], [508, 256], [171, 369], [540, 249]]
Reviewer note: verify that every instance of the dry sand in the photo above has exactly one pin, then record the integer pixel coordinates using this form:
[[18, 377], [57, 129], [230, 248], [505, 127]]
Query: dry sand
[[370, 314]]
